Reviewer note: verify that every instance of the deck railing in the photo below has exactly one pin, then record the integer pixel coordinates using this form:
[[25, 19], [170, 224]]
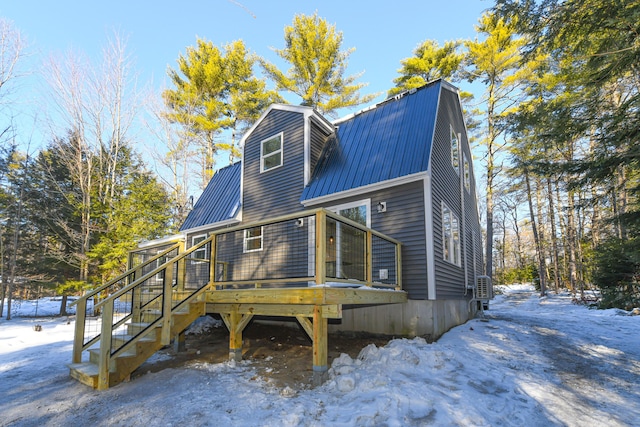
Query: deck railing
[[311, 248], [314, 248]]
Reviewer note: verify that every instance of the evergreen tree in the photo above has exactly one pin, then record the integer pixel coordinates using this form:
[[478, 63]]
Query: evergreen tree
[[215, 90], [594, 107], [429, 62], [318, 66], [494, 61]]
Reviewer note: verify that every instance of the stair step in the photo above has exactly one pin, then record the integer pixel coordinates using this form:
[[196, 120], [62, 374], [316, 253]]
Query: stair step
[[94, 355], [85, 372]]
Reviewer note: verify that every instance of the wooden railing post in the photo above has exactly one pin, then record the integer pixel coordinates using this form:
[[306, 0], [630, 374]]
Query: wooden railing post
[[167, 301], [212, 260], [368, 254], [78, 338], [181, 272], [398, 266], [105, 345], [321, 247]]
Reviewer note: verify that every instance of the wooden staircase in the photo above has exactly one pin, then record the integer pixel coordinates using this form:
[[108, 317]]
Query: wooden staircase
[[139, 312], [146, 344]]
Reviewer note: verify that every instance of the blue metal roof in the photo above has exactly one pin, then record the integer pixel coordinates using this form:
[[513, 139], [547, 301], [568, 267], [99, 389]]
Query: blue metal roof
[[386, 142], [220, 201]]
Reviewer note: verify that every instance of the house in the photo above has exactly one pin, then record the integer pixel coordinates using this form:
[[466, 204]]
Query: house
[[402, 167], [369, 223]]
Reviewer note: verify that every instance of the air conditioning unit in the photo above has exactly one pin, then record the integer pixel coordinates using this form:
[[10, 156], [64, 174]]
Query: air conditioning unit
[[483, 288]]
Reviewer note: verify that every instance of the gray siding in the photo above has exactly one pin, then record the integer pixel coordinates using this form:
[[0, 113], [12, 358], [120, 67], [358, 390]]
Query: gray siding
[[318, 141], [450, 278], [275, 192], [404, 221]]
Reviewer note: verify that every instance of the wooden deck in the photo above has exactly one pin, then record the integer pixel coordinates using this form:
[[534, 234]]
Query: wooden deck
[[311, 306], [309, 267]]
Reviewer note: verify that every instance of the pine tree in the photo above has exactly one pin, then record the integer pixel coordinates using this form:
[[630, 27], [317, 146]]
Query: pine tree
[[215, 90], [318, 66], [429, 62]]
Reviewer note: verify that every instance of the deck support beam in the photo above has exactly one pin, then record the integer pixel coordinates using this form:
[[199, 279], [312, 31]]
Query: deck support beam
[[318, 332], [320, 346], [235, 322]]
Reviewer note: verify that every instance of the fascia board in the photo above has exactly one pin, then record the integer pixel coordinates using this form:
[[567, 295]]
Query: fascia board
[[365, 189]]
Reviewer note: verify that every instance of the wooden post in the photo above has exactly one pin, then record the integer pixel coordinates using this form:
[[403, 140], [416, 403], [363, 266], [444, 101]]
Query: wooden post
[[212, 260], [398, 267], [235, 336], [368, 254], [321, 247], [179, 342], [236, 323], [181, 273], [320, 346], [78, 338], [167, 302], [104, 360]]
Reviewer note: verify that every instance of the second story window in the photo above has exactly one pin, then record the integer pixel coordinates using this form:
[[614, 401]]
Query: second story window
[[271, 153], [467, 174], [455, 151]]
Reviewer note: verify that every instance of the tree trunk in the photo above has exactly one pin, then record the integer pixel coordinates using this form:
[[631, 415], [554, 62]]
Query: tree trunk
[[554, 237], [541, 265], [571, 241]]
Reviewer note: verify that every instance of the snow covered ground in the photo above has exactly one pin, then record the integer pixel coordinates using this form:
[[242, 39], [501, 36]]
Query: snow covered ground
[[531, 362]]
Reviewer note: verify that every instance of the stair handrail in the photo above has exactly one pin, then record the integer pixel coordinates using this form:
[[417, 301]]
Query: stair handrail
[[107, 305], [127, 273], [154, 272], [81, 310]]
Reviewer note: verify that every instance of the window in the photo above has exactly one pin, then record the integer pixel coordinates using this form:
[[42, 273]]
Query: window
[[455, 151], [467, 174], [271, 153], [252, 239], [450, 236], [201, 253], [356, 211], [346, 245]]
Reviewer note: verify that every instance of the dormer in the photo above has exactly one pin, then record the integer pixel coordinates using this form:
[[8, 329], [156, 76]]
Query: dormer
[[279, 153]]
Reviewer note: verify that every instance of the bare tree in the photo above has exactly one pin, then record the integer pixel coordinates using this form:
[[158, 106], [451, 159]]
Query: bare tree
[[12, 52], [175, 155], [93, 107]]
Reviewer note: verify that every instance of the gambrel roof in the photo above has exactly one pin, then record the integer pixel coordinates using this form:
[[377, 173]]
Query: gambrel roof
[[389, 141]]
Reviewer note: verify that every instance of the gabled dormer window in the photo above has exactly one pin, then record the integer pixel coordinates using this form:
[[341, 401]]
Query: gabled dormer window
[[455, 151], [271, 153]]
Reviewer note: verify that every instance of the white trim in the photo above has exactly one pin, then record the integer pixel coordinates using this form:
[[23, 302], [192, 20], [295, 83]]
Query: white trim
[[306, 149], [455, 154], [204, 248], [435, 126], [211, 226], [245, 239], [376, 186], [273, 153], [453, 256], [167, 239], [428, 222], [356, 204]]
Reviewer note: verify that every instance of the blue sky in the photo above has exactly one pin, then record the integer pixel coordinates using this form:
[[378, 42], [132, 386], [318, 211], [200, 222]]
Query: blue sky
[[383, 32], [156, 32]]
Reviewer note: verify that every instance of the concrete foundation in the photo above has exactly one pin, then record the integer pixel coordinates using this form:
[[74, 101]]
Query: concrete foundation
[[429, 319]]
